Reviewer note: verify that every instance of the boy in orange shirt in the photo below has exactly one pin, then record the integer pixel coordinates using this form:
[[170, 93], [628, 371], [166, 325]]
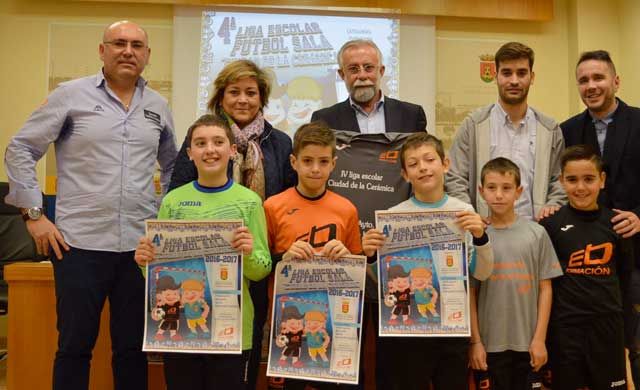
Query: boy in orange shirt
[[309, 218]]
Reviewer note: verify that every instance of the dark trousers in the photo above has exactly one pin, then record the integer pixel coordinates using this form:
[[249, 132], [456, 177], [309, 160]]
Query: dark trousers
[[632, 324], [410, 363], [83, 280], [185, 371], [259, 296], [588, 352], [508, 370]]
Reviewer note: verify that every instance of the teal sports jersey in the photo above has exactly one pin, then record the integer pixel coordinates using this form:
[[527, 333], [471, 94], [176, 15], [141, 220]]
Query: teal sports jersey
[[193, 311], [315, 339], [423, 296], [231, 201]]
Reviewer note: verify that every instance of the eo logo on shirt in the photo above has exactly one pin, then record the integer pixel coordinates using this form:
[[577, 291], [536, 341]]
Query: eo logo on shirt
[[593, 260]]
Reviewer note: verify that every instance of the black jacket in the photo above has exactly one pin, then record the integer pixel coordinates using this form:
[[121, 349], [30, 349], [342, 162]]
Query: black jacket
[[621, 154], [276, 148], [399, 116], [621, 158]]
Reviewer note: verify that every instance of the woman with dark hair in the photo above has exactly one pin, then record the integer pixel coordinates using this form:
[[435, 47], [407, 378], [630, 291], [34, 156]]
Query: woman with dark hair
[[240, 93]]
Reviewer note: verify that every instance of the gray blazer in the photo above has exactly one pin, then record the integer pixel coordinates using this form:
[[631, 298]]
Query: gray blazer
[[470, 151]]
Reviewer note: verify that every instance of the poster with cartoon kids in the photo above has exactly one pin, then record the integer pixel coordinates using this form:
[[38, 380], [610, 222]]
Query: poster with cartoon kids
[[422, 275], [317, 319], [299, 52], [193, 288]]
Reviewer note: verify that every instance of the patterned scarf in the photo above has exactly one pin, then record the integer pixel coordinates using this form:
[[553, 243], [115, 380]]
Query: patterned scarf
[[247, 164]]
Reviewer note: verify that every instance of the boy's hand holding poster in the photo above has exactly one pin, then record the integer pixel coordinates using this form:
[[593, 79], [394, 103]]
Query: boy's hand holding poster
[[423, 278], [317, 319], [194, 288]]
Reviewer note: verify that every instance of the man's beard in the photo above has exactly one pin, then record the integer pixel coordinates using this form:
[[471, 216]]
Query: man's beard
[[363, 92], [515, 100]]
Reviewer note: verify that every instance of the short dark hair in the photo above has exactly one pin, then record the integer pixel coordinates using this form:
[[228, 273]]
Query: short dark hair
[[514, 51], [502, 166], [598, 55], [314, 133], [211, 120], [581, 152], [416, 140]]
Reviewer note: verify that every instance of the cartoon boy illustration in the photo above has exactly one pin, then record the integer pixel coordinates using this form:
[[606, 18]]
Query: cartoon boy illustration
[[424, 294], [305, 95], [400, 288], [159, 299], [196, 309], [317, 336], [275, 112], [170, 293], [290, 338]]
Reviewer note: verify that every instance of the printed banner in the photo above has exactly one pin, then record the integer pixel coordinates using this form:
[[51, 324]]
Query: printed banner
[[367, 173], [423, 278], [316, 321], [194, 288], [300, 54]]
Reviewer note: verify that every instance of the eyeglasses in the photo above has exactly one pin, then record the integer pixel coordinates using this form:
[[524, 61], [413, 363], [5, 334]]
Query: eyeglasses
[[121, 44], [355, 69]]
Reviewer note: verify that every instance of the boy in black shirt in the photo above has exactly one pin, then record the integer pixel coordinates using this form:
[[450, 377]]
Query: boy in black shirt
[[170, 293], [586, 337]]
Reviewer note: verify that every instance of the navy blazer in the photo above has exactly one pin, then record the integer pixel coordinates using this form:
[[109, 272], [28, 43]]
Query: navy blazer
[[621, 154], [399, 116], [621, 158]]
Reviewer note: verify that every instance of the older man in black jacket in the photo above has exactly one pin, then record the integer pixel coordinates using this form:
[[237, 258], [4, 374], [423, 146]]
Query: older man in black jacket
[[367, 110]]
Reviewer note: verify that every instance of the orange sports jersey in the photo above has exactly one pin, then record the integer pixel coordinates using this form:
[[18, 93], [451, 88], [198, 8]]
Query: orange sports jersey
[[292, 217]]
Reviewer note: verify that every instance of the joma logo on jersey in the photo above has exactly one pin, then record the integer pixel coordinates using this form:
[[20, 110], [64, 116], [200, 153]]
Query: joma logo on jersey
[[390, 156], [190, 203], [318, 236], [593, 260]]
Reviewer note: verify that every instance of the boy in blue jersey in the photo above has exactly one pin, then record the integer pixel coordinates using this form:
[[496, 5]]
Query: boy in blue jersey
[[214, 196], [441, 360]]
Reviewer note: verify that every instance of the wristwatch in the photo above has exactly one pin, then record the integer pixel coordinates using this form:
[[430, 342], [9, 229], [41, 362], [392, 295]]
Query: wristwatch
[[32, 213]]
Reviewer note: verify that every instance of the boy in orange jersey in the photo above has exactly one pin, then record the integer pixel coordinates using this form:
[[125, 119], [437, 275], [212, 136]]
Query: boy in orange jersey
[[309, 218]]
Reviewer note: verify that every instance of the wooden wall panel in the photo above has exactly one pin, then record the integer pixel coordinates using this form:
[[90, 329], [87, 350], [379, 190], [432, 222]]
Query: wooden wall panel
[[537, 10]]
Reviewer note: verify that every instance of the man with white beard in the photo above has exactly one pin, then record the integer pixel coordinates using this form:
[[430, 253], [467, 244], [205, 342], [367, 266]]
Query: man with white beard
[[367, 110]]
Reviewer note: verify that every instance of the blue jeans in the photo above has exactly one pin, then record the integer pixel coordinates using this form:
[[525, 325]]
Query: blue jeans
[[83, 280]]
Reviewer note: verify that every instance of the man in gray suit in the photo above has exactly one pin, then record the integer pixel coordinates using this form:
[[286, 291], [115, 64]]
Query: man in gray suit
[[510, 128]]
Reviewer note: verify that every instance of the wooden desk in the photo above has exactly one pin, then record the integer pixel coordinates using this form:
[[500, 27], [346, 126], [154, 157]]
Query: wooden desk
[[33, 337]]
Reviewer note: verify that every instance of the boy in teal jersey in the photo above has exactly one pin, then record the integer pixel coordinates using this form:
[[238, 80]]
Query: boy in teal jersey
[[196, 309], [214, 196], [439, 360], [315, 323]]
